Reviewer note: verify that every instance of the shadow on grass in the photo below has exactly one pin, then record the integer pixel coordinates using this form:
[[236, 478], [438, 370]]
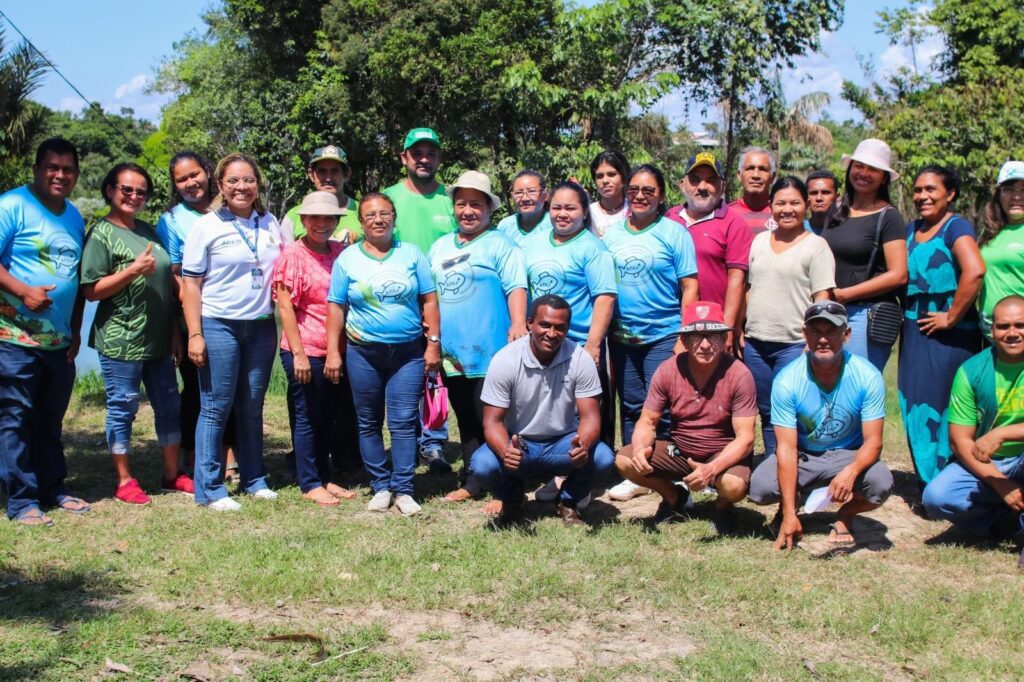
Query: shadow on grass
[[906, 487]]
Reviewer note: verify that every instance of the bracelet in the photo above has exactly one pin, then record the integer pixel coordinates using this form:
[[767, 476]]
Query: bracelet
[[194, 334]]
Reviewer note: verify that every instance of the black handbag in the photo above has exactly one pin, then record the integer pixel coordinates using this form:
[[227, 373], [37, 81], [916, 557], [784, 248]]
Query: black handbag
[[885, 318]]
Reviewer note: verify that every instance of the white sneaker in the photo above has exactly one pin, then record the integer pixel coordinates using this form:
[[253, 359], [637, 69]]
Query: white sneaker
[[380, 502], [627, 490], [224, 504], [548, 492], [407, 505], [264, 494]]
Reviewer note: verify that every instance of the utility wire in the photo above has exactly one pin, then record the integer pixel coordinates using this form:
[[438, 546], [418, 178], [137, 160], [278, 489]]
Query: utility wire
[[92, 105]]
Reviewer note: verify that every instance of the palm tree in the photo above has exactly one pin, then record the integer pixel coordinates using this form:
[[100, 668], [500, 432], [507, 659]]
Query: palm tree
[[21, 72], [792, 123]]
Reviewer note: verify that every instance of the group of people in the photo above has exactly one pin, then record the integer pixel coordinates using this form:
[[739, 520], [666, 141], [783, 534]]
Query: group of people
[[697, 320]]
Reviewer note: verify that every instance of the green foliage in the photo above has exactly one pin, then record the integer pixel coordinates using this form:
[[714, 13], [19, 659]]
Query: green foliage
[[970, 117], [21, 72]]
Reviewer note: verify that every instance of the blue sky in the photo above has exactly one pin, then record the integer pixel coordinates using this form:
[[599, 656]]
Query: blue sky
[[110, 51]]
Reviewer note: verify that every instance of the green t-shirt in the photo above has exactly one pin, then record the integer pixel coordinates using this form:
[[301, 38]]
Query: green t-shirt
[[292, 223], [964, 409], [1004, 269], [422, 218], [135, 323]]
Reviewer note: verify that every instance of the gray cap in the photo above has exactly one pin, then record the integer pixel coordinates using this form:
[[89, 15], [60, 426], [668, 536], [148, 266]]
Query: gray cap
[[826, 310]]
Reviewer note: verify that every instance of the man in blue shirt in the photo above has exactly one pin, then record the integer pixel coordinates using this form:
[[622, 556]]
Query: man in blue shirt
[[41, 237], [828, 410]]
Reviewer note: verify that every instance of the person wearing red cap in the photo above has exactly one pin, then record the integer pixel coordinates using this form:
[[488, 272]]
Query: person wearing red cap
[[711, 402]]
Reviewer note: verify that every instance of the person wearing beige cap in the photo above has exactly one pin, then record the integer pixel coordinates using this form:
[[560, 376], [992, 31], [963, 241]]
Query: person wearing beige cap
[[867, 236], [328, 170], [323, 409], [481, 290]]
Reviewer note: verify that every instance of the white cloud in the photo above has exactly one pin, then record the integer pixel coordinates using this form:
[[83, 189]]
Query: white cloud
[[72, 104], [133, 95], [897, 57], [136, 85]]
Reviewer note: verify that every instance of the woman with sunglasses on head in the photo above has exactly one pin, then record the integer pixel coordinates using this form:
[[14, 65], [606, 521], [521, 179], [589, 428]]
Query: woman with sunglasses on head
[[940, 328], [129, 273], [609, 169], [790, 268], [656, 268], [868, 239], [226, 268]]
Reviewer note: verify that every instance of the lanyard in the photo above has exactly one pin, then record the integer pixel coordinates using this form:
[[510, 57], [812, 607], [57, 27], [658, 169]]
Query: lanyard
[[251, 243]]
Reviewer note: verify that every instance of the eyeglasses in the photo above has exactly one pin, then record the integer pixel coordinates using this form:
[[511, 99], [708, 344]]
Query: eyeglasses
[[830, 307], [523, 193], [234, 182], [646, 190], [383, 215], [137, 191]]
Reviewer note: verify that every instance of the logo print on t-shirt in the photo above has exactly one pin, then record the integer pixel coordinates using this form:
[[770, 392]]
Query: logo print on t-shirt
[[633, 265], [546, 277], [455, 281], [60, 255], [391, 289]]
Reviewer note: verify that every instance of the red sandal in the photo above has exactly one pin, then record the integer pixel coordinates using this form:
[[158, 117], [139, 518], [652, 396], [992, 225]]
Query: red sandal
[[129, 492]]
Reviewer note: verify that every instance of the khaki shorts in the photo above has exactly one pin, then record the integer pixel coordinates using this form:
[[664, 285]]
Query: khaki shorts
[[677, 468]]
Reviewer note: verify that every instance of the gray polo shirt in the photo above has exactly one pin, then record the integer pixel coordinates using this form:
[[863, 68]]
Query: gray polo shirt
[[541, 400]]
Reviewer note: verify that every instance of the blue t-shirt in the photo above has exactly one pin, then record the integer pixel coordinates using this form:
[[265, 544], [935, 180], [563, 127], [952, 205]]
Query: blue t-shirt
[[382, 294], [473, 283], [173, 227], [579, 271], [648, 267], [934, 273], [40, 248], [509, 226], [828, 421]]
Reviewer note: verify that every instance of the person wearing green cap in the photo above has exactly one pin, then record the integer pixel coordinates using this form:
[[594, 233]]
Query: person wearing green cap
[[328, 171], [423, 214]]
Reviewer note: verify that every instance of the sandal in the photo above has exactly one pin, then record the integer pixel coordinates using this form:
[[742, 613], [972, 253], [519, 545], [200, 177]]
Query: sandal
[[33, 517], [70, 503], [339, 492], [839, 539], [322, 497], [231, 474]]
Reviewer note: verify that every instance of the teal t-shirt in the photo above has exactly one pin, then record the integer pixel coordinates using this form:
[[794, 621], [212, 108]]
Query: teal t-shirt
[[832, 420], [292, 223], [648, 267], [382, 294], [473, 283], [509, 226], [40, 248], [173, 227], [135, 323], [421, 219], [578, 270], [1009, 386]]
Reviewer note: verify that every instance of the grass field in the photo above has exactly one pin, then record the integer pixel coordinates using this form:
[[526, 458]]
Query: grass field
[[286, 590]]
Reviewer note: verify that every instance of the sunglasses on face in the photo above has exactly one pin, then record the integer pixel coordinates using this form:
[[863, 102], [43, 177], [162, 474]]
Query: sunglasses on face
[[646, 190], [129, 191]]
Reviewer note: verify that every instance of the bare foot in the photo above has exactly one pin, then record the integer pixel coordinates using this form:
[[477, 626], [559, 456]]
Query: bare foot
[[321, 497], [339, 492], [459, 495], [492, 508]]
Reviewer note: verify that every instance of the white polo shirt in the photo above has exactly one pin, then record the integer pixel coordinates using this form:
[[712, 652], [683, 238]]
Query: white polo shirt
[[236, 279]]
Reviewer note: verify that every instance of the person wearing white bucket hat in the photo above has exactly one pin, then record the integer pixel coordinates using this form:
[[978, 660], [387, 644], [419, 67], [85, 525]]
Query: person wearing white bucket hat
[[867, 236], [1002, 241], [481, 289]]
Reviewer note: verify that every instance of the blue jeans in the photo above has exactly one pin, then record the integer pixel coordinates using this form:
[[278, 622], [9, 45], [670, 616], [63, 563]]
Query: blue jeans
[[542, 460], [122, 379], [35, 389], [859, 344], [387, 379], [239, 358], [315, 406], [958, 496], [633, 368], [765, 359]]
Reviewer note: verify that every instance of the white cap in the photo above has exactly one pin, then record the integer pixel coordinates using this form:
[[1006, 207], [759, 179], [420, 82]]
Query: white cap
[[1011, 170]]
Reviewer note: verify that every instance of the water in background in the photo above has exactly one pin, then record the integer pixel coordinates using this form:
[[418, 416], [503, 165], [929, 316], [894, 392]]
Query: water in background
[[88, 360]]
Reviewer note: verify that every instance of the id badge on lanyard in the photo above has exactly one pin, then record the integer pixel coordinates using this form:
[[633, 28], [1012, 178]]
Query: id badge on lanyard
[[256, 271]]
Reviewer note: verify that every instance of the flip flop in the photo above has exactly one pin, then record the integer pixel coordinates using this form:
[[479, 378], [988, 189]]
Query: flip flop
[[833, 538], [72, 504], [33, 517]]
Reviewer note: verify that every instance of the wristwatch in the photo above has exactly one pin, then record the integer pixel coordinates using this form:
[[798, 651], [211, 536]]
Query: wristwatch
[[434, 339]]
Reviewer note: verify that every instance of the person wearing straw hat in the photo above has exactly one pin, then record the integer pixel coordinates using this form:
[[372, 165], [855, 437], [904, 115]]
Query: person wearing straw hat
[[323, 409], [867, 236], [711, 401], [481, 289], [328, 170]]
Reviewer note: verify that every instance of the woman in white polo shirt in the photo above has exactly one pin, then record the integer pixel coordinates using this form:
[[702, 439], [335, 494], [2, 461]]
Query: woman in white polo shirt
[[227, 264]]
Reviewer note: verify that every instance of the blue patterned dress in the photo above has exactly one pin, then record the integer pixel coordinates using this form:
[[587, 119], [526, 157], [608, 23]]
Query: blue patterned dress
[[927, 363]]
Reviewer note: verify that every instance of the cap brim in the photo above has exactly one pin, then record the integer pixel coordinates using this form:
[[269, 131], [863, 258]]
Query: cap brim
[[837, 320], [703, 163]]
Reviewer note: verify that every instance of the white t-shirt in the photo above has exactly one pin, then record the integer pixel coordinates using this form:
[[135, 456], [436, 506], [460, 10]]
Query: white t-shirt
[[236, 283], [601, 221], [782, 285]]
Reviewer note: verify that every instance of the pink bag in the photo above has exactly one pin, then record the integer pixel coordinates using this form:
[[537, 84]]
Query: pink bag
[[435, 402]]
